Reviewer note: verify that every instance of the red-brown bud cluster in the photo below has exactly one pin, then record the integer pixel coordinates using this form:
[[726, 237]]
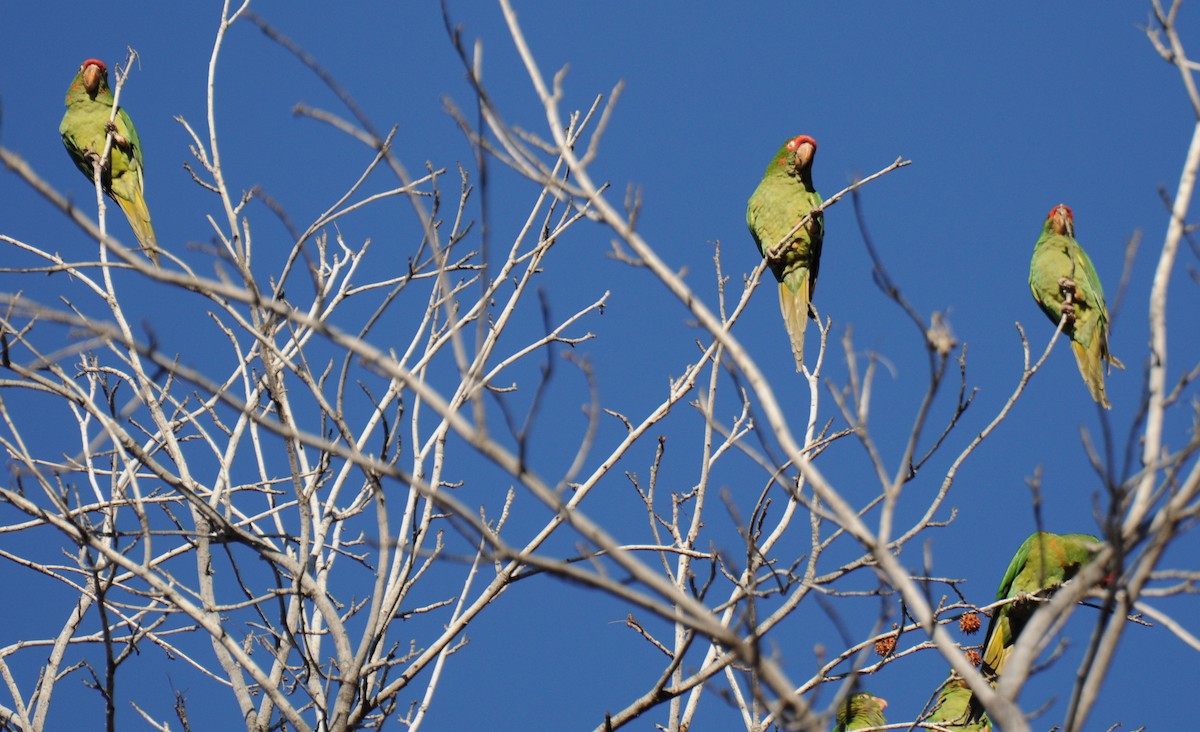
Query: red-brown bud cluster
[[885, 647], [969, 623]]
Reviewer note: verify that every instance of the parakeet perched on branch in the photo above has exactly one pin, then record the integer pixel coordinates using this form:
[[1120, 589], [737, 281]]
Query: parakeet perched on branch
[[85, 128], [1043, 562], [784, 197], [1063, 280], [860, 710], [954, 710]]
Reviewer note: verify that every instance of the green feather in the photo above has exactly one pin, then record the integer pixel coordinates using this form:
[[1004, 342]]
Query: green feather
[[1042, 563], [954, 709], [1055, 256], [860, 710], [784, 196], [84, 133]]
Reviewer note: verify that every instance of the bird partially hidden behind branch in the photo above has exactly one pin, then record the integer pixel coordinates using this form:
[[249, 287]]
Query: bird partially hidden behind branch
[[860, 710], [1042, 563], [954, 709]]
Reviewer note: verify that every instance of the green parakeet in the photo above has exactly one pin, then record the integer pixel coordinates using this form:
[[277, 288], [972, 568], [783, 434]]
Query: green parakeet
[[1061, 267], [84, 129], [1043, 562], [784, 196], [953, 709], [860, 710]]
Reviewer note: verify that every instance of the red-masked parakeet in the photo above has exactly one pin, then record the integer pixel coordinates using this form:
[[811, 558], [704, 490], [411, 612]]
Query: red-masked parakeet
[[784, 196], [1043, 562], [860, 710], [954, 710], [84, 129], [1060, 268]]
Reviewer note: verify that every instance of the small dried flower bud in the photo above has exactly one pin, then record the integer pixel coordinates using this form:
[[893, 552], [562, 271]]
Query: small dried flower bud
[[974, 657], [885, 647], [969, 623]]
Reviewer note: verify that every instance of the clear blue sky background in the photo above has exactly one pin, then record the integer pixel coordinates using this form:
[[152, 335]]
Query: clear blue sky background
[[1005, 110]]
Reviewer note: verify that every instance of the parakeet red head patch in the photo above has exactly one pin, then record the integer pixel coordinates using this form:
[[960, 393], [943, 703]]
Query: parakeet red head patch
[[795, 158], [799, 140], [1068, 214], [95, 75], [1061, 220]]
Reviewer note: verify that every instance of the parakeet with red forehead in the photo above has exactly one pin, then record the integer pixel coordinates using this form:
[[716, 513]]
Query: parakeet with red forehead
[[860, 710], [1060, 268], [84, 129], [784, 197]]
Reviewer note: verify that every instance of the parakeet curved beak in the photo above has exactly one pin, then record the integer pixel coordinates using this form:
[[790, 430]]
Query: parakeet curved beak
[[1062, 221], [91, 78], [803, 155], [882, 703]]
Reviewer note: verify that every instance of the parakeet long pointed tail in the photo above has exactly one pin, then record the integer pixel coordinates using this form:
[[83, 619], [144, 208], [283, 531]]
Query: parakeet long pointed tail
[[1094, 363], [139, 220], [794, 306], [995, 651]]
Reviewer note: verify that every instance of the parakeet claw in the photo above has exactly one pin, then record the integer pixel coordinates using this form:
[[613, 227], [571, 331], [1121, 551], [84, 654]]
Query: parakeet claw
[[118, 139], [1070, 294], [1024, 598], [94, 158]]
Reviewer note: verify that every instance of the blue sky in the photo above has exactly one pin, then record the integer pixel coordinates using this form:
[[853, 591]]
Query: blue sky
[[1005, 111]]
